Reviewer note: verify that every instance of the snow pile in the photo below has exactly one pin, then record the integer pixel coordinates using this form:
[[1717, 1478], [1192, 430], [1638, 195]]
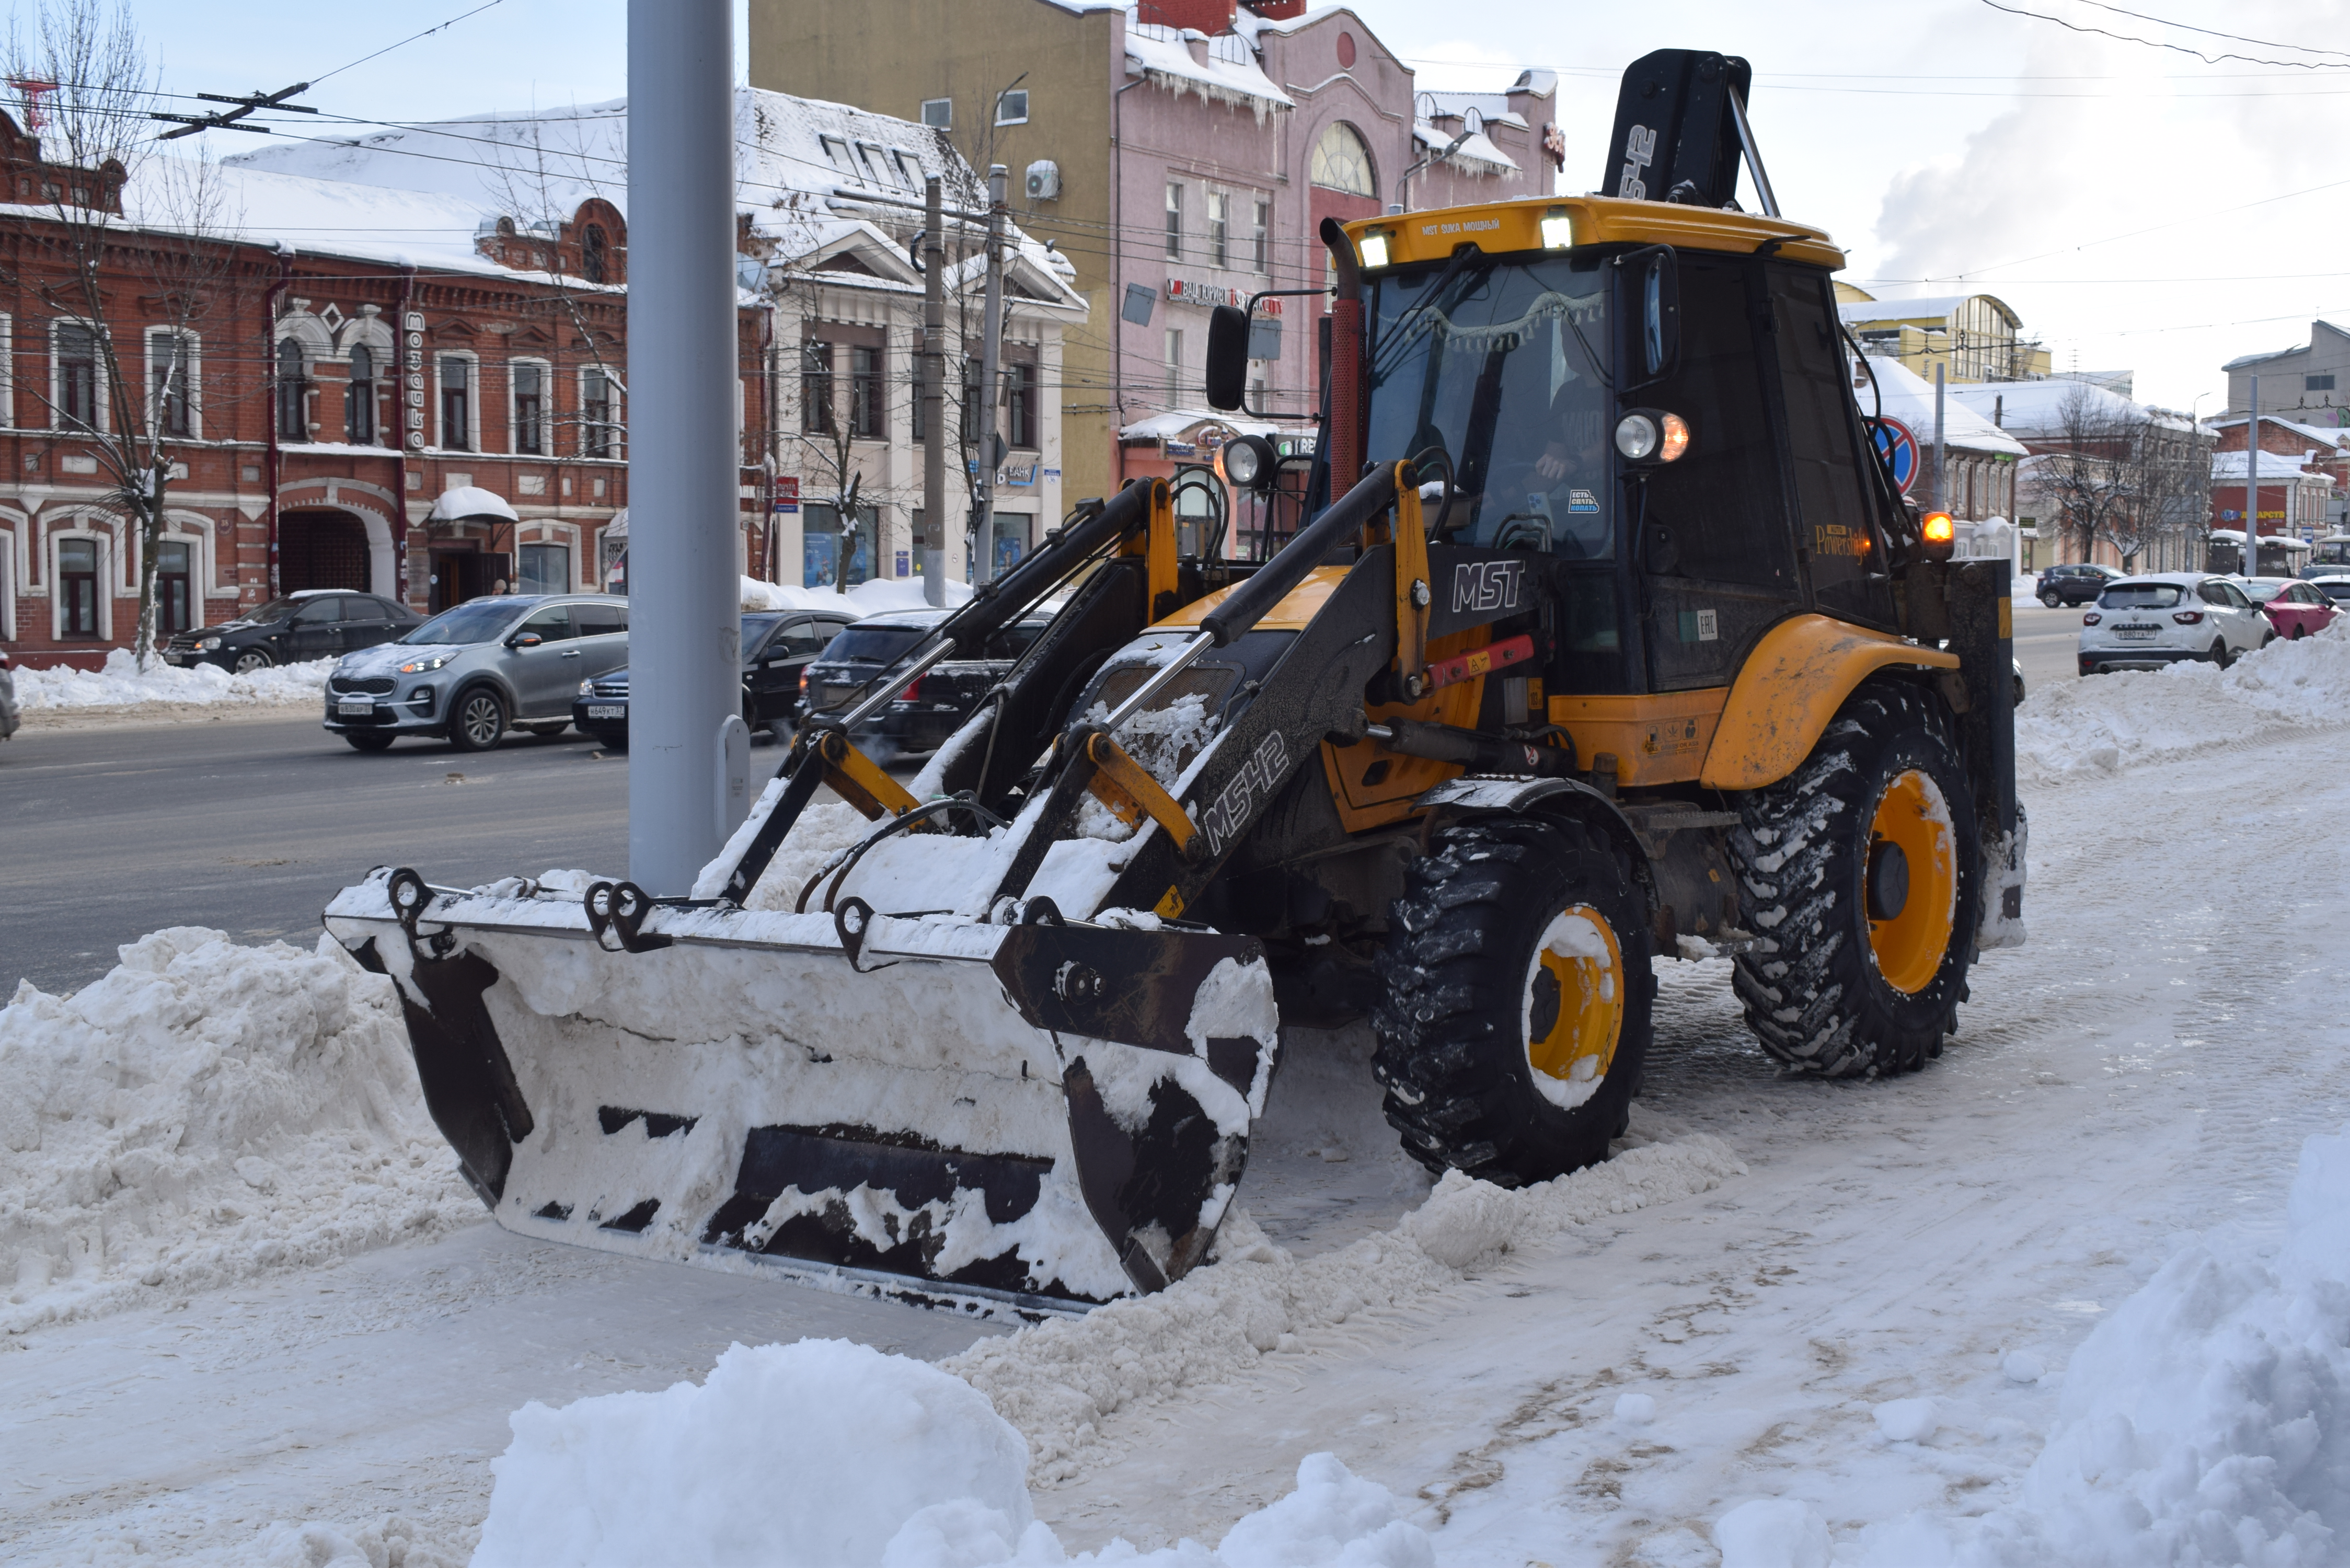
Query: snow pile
[[822, 832], [866, 599], [2103, 723], [204, 1113], [826, 1452], [1058, 1381], [120, 683]]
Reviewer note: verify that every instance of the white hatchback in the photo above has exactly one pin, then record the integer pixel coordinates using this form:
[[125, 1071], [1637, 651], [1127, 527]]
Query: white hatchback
[[2170, 618]]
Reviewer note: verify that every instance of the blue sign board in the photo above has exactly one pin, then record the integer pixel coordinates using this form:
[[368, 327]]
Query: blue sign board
[[1899, 448]]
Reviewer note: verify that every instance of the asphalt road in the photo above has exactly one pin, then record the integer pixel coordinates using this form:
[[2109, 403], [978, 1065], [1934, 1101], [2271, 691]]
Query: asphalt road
[[251, 825], [2046, 641]]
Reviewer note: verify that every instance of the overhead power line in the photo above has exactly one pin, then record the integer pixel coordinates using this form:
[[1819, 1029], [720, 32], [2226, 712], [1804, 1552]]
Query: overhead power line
[[228, 119]]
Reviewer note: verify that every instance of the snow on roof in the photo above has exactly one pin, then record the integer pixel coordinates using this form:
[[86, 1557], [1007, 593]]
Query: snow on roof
[[2274, 465], [1175, 422], [2243, 359], [2320, 434], [2041, 407], [1168, 63], [1935, 307], [320, 216], [1477, 149], [1910, 398]]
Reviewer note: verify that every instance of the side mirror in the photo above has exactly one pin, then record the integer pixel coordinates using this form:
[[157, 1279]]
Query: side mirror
[[1228, 346], [1649, 301], [525, 639]]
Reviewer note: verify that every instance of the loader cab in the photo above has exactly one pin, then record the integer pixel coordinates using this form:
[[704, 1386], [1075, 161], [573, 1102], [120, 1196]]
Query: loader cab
[[1668, 427]]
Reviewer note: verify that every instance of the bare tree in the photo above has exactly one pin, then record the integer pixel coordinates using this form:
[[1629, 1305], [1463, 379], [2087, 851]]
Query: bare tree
[[2093, 476], [90, 78]]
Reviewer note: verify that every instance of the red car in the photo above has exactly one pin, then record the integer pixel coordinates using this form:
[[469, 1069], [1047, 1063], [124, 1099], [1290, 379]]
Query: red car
[[2294, 607]]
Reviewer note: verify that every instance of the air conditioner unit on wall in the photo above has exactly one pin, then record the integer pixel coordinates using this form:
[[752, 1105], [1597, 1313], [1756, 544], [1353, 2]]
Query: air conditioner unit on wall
[[1043, 181]]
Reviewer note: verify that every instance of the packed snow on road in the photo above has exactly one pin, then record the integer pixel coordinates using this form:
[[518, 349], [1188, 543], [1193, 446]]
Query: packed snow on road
[[120, 683], [2079, 1293]]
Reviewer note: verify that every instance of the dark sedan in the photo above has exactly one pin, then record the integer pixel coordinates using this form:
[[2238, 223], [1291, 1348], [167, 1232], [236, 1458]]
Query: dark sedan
[[2079, 583], [317, 623], [931, 707], [777, 645]]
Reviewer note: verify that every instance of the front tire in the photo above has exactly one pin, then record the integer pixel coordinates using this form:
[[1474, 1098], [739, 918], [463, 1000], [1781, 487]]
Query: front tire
[[368, 740], [2050, 600], [478, 721], [1857, 873], [251, 660], [1515, 1020]]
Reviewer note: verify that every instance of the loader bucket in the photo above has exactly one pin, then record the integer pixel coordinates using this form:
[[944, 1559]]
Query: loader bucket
[[1036, 1117]]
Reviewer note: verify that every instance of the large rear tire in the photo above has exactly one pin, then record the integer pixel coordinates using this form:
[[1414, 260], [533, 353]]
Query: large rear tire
[[1515, 1019], [1857, 873]]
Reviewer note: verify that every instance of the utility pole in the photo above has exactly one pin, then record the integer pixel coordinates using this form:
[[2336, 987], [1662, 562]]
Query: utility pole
[[934, 397], [2250, 556], [688, 757], [1941, 460], [983, 507]]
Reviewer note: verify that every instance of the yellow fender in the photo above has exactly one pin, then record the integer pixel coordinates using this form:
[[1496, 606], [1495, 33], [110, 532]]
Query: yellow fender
[[1791, 686]]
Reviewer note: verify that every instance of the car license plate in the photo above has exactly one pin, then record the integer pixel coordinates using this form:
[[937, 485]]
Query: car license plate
[[355, 708], [2134, 631], [607, 711]]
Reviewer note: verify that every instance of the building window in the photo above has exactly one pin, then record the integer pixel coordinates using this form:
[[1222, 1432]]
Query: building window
[[1174, 221], [76, 377], [358, 399], [837, 149], [1020, 405], [596, 415], [1219, 228], [77, 587], [815, 388], [172, 580], [910, 171], [456, 404], [1261, 240], [171, 355], [1174, 366], [865, 396], [595, 264], [2317, 383], [938, 113], [544, 569], [530, 410], [1341, 161], [293, 386], [1012, 107]]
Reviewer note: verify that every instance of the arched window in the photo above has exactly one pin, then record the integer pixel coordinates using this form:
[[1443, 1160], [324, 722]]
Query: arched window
[[293, 410], [592, 263], [1341, 161], [359, 402]]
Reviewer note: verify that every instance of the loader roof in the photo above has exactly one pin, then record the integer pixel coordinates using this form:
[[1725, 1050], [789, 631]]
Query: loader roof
[[1498, 227]]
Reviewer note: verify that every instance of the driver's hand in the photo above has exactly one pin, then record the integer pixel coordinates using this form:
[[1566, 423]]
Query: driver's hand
[[1551, 465]]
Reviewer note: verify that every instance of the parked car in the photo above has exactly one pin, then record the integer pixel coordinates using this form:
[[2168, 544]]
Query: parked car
[[2294, 608], [2076, 584], [930, 708], [2170, 618], [471, 671], [317, 623], [9, 720], [2335, 587], [776, 646]]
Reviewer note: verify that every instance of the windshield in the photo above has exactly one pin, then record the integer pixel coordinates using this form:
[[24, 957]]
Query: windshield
[[2141, 596], [2333, 587], [1505, 367], [479, 620], [2261, 592], [2331, 552], [872, 644]]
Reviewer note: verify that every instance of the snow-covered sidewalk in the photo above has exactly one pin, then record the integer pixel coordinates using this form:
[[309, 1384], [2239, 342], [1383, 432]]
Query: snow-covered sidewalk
[[121, 684], [1797, 1324]]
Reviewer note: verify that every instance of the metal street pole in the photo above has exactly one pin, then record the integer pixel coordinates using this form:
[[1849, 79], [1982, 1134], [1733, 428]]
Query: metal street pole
[[1941, 463], [982, 509], [934, 397], [2250, 558], [689, 753]]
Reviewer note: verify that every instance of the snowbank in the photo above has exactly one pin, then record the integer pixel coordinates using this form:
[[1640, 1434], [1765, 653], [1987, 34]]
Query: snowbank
[[866, 599], [120, 684], [1058, 1381], [2103, 723], [826, 1452], [204, 1113]]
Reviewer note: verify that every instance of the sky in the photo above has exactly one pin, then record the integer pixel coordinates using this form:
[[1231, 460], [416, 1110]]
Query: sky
[[2140, 208]]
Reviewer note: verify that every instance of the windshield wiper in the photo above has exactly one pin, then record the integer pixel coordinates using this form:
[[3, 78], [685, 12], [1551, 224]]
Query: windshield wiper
[[1435, 292]]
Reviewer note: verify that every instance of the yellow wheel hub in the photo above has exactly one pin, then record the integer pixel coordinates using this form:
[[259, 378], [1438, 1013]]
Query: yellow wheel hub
[[1910, 882], [1574, 1006]]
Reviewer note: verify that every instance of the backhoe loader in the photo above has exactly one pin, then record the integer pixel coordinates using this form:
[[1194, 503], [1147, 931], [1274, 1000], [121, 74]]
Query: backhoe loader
[[1602, 636]]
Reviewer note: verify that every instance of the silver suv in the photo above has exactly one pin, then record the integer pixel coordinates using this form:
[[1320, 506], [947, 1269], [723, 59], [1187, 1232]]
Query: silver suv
[[471, 672]]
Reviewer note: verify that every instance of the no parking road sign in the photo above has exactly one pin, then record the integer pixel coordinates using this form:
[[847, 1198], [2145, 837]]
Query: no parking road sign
[[1899, 448]]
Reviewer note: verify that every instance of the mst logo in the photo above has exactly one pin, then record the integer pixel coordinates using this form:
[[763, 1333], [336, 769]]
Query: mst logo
[[1250, 787], [1487, 585]]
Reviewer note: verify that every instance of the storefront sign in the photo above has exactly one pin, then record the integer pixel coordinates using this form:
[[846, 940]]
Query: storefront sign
[[1186, 291], [788, 493]]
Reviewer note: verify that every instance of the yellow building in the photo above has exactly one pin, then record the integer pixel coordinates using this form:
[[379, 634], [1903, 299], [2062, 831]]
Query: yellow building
[[1971, 337]]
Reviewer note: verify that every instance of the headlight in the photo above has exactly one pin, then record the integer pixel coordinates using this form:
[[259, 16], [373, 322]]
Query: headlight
[[419, 665], [588, 688], [1652, 435], [210, 645], [1636, 436], [1374, 251]]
